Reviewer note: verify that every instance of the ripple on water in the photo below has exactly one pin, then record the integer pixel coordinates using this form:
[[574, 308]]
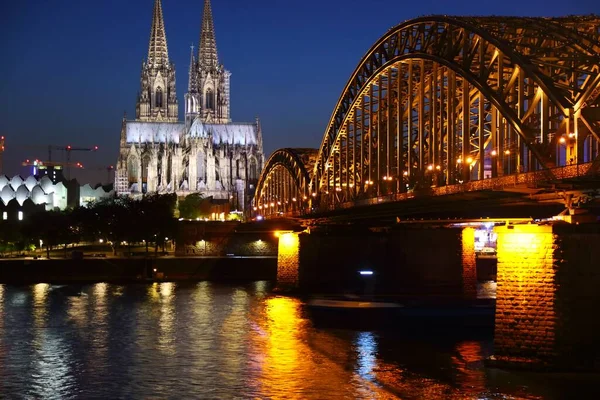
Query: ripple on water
[[168, 340]]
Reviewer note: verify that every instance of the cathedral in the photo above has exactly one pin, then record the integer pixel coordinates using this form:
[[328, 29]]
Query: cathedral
[[205, 153]]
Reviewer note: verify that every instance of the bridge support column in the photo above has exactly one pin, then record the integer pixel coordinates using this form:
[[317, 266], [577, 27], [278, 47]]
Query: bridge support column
[[547, 296], [288, 260]]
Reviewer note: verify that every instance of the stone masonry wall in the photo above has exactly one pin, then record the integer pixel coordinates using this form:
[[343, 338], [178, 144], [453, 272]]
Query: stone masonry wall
[[546, 297], [288, 260]]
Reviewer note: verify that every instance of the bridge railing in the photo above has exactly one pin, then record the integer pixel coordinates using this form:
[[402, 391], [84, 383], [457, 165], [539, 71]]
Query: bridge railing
[[528, 179]]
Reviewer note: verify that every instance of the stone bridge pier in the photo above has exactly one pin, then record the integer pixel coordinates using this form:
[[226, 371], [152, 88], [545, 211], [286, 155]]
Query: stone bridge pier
[[548, 281], [405, 261], [548, 297]]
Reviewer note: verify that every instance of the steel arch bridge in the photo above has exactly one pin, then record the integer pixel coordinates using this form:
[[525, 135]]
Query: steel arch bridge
[[452, 104]]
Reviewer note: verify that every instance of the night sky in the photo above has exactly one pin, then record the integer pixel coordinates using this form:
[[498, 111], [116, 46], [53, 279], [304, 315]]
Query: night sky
[[70, 68]]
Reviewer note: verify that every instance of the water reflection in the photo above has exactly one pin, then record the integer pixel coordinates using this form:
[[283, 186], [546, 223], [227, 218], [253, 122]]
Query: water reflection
[[282, 372], [1, 308], [214, 341], [52, 374], [166, 336], [366, 345]]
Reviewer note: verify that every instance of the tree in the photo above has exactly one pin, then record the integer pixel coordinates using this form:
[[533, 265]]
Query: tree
[[194, 206]]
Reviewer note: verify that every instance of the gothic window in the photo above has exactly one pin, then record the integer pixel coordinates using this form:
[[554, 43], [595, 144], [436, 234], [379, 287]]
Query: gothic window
[[210, 100], [145, 165], [169, 168], [159, 97], [201, 166], [237, 169], [159, 167], [132, 170], [253, 170]]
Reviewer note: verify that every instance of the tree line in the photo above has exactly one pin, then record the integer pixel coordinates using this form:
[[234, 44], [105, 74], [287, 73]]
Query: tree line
[[116, 220]]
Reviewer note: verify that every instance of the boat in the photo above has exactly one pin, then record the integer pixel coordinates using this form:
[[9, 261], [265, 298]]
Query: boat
[[371, 313]]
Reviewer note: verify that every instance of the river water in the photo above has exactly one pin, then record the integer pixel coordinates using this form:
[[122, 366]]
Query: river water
[[210, 341]]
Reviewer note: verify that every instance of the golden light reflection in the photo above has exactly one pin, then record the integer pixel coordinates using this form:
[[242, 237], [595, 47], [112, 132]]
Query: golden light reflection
[[40, 293], [100, 321], [166, 338], [233, 333], [468, 363], [202, 330], [78, 310], [284, 349], [100, 291]]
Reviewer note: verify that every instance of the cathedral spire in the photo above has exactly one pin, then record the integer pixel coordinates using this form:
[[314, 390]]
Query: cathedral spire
[[207, 50], [193, 80], [157, 51]]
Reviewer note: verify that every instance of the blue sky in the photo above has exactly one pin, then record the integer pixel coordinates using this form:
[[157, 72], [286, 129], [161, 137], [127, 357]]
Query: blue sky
[[70, 68]]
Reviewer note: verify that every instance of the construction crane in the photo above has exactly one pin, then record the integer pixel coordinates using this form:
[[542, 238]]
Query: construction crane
[[68, 149], [47, 165]]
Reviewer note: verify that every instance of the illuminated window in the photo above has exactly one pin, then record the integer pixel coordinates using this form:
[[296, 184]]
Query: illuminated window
[[20, 215], [4, 215]]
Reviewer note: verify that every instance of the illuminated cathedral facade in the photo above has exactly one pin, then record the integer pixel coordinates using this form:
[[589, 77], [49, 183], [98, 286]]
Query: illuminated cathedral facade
[[205, 152]]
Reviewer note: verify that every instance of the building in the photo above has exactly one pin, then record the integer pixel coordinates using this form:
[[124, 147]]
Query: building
[[205, 152], [42, 190]]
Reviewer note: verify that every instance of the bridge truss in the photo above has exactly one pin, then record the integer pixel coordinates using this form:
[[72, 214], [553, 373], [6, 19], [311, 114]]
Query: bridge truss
[[443, 101]]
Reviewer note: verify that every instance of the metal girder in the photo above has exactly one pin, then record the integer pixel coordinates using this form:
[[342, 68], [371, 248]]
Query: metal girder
[[494, 54], [296, 163], [443, 100]]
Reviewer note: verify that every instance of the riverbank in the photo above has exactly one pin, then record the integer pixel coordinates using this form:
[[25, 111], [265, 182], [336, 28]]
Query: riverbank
[[126, 270]]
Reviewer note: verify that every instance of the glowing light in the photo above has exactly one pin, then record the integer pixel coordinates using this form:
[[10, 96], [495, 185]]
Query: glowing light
[[405, 173], [562, 140], [277, 234], [255, 208], [366, 273], [507, 152], [469, 160], [571, 135], [259, 217], [438, 167], [459, 161], [494, 153], [293, 199], [20, 215], [430, 167], [101, 240]]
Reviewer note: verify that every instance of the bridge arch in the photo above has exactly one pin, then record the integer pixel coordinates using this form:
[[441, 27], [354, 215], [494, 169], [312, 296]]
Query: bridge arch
[[283, 184], [442, 101], [436, 92]]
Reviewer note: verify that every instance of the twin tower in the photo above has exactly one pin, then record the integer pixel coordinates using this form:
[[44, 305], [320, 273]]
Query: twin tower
[[205, 153], [208, 87]]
